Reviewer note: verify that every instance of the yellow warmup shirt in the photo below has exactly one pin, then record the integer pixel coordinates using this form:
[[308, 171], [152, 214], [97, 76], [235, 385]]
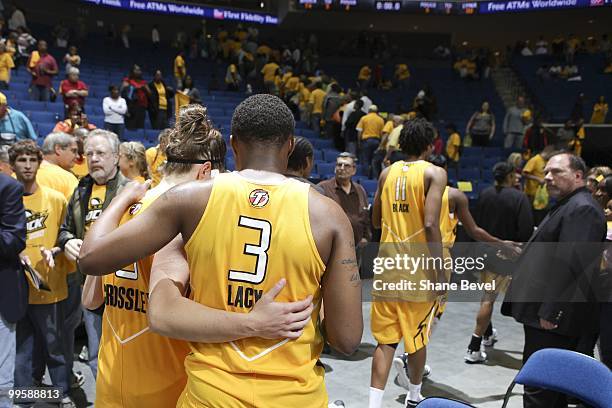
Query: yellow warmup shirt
[[402, 72], [292, 84], [371, 126], [45, 210], [80, 169], [95, 204], [269, 71], [316, 98], [155, 159], [388, 128], [535, 167], [403, 229], [161, 92], [599, 113], [136, 368], [179, 67], [452, 146], [304, 95], [364, 73], [6, 64], [245, 243], [54, 177]]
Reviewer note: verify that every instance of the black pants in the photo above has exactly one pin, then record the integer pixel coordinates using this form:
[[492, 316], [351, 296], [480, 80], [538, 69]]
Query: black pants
[[480, 140], [136, 117], [537, 339], [605, 333], [159, 120]]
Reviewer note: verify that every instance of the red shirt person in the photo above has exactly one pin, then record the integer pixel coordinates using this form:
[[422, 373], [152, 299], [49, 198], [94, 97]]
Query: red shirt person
[[73, 90], [43, 67]]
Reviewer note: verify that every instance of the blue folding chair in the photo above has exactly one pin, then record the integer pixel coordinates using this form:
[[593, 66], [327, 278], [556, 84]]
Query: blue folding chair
[[437, 402], [569, 373], [369, 186]]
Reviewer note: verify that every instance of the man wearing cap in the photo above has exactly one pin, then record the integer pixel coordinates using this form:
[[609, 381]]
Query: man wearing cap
[[14, 125], [369, 131], [73, 90]]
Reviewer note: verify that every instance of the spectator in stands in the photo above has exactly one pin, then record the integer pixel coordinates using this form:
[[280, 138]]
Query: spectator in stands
[[160, 108], [536, 137], [43, 68], [180, 69], [75, 120], [350, 133], [14, 125], [72, 59], [349, 107], [94, 193], [566, 135], [6, 65], [61, 33], [24, 41], [301, 162], [115, 108], [481, 126], [577, 114], [136, 93], [543, 73], [156, 157], [571, 47], [350, 196], [600, 111], [331, 103], [369, 132], [80, 169], [453, 146], [232, 78], [541, 46], [545, 285], [125, 35], [14, 288], [315, 106], [191, 91], [133, 161], [155, 38], [269, 72], [73, 90], [514, 127], [17, 19], [364, 77], [401, 76], [595, 175], [526, 51], [533, 172]]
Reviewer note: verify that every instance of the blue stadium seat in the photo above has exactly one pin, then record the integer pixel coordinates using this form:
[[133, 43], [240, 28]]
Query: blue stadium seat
[[318, 155], [326, 169], [31, 106], [369, 186], [469, 174], [44, 128], [42, 116], [330, 154], [487, 175], [470, 162], [322, 143]]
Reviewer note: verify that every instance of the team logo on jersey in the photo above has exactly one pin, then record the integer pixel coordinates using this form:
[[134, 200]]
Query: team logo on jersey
[[35, 223], [95, 209], [259, 198], [134, 208]]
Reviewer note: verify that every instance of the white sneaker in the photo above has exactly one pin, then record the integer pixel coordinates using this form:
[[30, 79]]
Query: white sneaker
[[475, 357], [401, 366], [491, 340], [412, 403], [67, 402], [336, 404], [84, 354]]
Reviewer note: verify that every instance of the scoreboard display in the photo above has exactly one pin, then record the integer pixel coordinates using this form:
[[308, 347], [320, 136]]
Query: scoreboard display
[[448, 7]]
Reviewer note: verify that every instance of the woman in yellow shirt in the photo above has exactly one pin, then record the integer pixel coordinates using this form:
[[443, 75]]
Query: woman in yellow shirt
[[6, 64], [133, 161], [600, 111]]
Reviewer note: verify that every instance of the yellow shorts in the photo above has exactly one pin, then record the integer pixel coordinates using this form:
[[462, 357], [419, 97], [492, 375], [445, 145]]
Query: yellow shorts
[[412, 321], [501, 284]]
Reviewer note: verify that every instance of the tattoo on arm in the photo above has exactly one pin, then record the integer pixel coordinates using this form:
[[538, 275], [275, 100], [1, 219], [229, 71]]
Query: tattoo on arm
[[355, 277], [350, 261]]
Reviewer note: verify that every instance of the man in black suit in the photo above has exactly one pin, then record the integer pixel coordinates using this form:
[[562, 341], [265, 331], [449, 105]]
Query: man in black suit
[[553, 288], [13, 285]]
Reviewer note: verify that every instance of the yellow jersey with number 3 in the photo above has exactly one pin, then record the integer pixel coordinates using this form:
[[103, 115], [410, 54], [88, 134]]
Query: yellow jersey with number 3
[[249, 237], [136, 368]]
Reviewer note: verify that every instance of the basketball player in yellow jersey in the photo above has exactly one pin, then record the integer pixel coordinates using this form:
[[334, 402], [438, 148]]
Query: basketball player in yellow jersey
[[137, 367], [244, 232], [407, 206], [455, 208]]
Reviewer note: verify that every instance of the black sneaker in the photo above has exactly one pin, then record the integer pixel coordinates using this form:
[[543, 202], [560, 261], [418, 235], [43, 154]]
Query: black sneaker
[[401, 366]]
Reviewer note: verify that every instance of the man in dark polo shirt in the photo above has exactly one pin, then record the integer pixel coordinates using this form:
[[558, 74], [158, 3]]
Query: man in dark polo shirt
[[350, 196]]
